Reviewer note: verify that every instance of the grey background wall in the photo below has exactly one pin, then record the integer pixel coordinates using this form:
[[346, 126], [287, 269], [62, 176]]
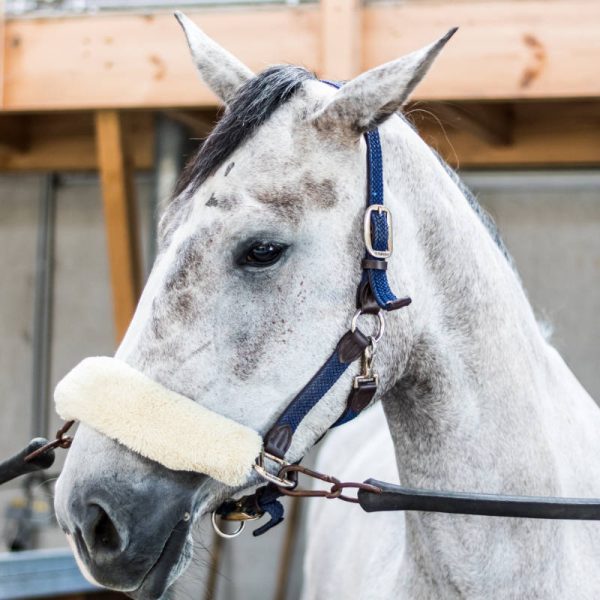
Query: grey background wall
[[550, 221]]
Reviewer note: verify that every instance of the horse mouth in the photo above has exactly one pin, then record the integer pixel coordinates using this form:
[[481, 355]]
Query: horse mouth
[[173, 559]]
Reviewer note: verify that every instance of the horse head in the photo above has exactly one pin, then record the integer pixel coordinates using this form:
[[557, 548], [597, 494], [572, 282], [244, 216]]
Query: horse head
[[254, 284]]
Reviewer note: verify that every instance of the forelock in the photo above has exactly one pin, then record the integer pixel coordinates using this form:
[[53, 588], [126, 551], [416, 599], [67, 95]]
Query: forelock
[[252, 105]]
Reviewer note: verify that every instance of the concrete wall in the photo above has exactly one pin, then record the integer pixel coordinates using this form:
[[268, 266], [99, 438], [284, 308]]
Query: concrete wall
[[551, 223]]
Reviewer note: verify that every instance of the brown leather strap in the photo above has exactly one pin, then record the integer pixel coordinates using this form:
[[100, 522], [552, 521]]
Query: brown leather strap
[[400, 303], [361, 395], [365, 299], [352, 345], [374, 263]]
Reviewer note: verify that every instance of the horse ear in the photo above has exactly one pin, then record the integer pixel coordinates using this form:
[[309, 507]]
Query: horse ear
[[220, 70], [366, 101]]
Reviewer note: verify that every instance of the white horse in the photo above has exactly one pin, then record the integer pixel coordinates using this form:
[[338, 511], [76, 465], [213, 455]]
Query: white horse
[[254, 284]]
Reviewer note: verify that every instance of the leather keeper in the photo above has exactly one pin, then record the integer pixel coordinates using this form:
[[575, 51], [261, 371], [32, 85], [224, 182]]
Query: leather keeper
[[374, 263], [352, 346], [400, 303], [365, 299], [278, 440], [361, 395]]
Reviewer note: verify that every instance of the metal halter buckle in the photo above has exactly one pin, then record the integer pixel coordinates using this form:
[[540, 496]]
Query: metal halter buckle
[[367, 375], [381, 209], [259, 467]]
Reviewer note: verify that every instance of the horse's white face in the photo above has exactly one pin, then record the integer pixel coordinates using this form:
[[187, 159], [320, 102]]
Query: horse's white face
[[252, 289], [255, 279]]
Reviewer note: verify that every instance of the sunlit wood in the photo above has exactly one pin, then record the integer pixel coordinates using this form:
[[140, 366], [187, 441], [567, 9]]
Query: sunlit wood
[[511, 49], [120, 218]]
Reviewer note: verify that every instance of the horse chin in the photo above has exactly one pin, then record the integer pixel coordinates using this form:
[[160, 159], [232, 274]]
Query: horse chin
[[172, 562], [178, 550]]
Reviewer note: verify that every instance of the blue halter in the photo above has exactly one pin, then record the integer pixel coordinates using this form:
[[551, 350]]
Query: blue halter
[[373, 296]]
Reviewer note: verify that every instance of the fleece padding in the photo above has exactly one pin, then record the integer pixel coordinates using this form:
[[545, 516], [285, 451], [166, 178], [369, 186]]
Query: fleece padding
[[125, 405]]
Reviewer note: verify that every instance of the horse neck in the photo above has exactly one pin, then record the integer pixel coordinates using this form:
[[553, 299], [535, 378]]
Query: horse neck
[[480, 398], [473, 377]]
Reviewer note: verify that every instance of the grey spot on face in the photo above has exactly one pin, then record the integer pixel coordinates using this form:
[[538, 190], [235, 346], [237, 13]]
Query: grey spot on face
[[229, 167], [321, 194], [188, 265], [291, 200], [225, 203], [252, 343]]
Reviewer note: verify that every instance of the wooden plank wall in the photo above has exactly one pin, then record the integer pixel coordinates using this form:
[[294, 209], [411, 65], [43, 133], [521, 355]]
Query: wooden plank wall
[[504, 50]]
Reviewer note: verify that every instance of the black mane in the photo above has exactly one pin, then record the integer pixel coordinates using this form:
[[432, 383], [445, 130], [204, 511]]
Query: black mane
[[251, 106]]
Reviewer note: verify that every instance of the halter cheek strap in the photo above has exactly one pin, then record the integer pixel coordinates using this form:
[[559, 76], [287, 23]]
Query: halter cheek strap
[[373, 296], [374, 292]]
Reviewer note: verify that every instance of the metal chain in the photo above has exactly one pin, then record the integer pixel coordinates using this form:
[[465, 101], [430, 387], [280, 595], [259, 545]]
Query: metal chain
[[335, 491]]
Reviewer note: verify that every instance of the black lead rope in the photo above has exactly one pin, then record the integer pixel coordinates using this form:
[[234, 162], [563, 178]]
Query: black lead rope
[[18, 465], [390, 497]]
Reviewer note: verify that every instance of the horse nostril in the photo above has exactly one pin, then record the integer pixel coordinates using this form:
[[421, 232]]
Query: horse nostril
[[101, 533], [106, 535]]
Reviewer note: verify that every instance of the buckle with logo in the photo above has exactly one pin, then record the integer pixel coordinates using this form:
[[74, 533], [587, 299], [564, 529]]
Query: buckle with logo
[[382, 210]]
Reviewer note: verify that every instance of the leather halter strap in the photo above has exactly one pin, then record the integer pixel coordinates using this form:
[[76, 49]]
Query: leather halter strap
[[374, 292], [373, 296]]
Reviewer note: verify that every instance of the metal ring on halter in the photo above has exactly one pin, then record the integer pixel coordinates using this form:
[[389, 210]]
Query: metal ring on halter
[[224, 534], [380, 327], [259, 467]]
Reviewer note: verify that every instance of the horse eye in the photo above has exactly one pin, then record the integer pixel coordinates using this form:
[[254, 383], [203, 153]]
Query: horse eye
[[262, 254]]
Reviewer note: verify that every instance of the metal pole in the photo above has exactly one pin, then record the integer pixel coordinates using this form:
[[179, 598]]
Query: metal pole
[[169, 152], [43, 304]]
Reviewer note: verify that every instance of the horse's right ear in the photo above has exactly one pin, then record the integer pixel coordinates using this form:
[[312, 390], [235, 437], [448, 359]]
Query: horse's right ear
[[366, 101], [219, 69]]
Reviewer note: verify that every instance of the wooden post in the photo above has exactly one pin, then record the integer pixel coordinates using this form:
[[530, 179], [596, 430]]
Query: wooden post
[[120, 217], [341, 38]]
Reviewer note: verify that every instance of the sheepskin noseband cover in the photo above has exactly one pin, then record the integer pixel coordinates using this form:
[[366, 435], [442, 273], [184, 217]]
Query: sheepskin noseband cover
[[125, 405]]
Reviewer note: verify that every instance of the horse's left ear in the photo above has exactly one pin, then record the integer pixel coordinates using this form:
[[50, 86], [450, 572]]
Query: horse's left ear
[[366, 101], [221, 71]]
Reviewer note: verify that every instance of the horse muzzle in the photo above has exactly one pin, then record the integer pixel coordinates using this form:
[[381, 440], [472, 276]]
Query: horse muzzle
[[128, 519]]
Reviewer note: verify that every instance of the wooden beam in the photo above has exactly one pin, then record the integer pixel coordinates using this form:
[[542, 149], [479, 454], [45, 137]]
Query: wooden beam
[[132, 60], [120, 218], [341, 51], [493, 123], [504, 50], [544, 134], [66, 142], [199, 123], [14, 133]]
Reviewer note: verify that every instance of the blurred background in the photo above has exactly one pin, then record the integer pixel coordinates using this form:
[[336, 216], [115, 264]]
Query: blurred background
[[100, 107]]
